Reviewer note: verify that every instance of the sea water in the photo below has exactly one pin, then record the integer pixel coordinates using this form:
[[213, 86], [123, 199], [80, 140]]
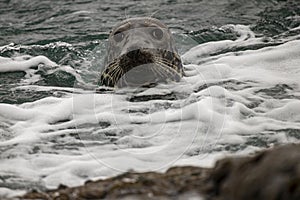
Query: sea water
[[240, 94]]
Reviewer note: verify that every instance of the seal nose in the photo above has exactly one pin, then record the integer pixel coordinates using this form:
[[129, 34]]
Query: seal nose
[[137, 56], [136, 40], [133, 53]]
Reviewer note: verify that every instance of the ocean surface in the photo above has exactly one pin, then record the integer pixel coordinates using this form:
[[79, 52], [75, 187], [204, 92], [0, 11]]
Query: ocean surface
[[240, 92]]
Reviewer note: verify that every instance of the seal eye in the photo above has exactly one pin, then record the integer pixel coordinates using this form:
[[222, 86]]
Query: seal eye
[[157, 33], [118, 36]]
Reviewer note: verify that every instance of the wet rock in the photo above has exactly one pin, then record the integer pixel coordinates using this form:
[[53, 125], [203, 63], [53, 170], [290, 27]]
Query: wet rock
[[267, 175], [176, 181]]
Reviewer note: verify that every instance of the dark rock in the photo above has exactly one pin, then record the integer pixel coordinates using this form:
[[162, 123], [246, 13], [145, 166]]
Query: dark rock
[[269, 175], [176, 181], [273, 174]]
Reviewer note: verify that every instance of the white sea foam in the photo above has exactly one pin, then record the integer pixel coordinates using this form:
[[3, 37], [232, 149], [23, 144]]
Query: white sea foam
[[21, 64], [225, 102]]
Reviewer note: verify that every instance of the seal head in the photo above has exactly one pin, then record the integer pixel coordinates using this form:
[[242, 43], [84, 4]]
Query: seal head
[[140, 52]]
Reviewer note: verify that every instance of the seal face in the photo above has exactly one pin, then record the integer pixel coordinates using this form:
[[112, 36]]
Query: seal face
[[141, 52]]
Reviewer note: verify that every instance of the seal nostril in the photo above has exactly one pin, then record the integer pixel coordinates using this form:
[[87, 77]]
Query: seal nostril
[[137, 57], [133, 54]]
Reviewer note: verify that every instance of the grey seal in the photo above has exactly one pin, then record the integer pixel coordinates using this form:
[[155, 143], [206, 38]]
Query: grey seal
[[140, 52]]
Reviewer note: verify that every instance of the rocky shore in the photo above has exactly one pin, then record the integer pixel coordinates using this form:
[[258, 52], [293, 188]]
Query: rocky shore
[[272, 174]]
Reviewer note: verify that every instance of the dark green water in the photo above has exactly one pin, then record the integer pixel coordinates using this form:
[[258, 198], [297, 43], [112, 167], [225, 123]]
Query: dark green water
[[83, 22], [72, 32]]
